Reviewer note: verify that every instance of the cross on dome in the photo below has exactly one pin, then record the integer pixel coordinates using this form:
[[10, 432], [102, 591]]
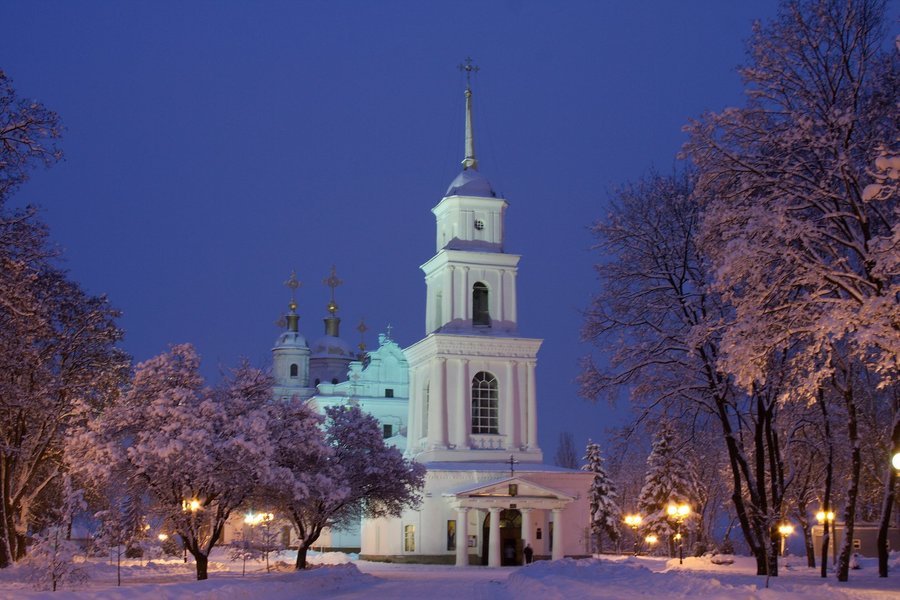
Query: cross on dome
[[332, 281]]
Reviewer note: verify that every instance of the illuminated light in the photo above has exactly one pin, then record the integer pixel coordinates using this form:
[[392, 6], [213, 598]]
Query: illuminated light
[[677, 536], [786, 529], [163, 537], [633, 520], [821, 516], [192, 505], [895, 461], [651, 539]]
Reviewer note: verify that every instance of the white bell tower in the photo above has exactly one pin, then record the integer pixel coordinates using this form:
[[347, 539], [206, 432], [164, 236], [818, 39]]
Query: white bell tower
[[472, 380], [290, 356]]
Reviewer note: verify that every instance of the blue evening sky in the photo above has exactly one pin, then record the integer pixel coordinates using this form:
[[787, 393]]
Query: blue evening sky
[[212, 147]]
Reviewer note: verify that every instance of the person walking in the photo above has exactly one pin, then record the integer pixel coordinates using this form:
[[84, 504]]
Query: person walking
[[529, 553]]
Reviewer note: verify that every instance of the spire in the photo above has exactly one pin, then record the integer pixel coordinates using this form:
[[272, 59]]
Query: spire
[[293, 318], [332, 322], [469, 162]]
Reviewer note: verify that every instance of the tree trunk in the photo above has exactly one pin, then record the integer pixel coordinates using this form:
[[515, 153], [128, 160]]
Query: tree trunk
[[889, 498], [301, 557], [829, 478], [808, 544], [202, 565], [853, 490]]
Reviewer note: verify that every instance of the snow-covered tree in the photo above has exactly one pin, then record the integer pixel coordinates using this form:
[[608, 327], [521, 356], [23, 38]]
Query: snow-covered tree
[[197, 452], [356, 475], [605, 512], [51, 561], [803, 249], [670, 479]]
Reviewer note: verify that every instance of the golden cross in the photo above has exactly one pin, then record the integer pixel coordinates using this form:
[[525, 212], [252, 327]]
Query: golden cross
[[332, 281], [293, 283]]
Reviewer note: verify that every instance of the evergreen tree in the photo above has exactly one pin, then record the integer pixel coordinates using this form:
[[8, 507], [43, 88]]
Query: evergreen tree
[[605, 512], [670, 479]]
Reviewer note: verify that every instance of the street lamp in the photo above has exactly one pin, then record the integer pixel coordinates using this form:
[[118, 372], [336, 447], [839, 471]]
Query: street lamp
[[634, 522], [895, 460], [679, 513], [826, 519], [651, 540], [785, 530], [192, 505]]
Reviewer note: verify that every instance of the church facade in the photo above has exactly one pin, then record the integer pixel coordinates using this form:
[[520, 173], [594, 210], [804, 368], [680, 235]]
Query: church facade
[[462, 401]]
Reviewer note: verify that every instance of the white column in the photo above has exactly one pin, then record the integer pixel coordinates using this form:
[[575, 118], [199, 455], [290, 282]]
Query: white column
[[451, 306], [494, 551], [462, 536], [527, 527], [413, 427], [557, 534], [437, 404], [462, 405], [466, 289], [532, 406], [509, 409]]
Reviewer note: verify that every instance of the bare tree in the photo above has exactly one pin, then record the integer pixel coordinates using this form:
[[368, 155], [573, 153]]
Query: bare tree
[[565, 453]]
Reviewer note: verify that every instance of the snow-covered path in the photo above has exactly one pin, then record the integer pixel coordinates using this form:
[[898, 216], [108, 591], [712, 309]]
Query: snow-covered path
[[611, 578]]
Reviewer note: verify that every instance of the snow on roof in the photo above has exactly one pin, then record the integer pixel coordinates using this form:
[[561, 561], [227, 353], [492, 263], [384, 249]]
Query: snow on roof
[[497, 466], [471, 183]]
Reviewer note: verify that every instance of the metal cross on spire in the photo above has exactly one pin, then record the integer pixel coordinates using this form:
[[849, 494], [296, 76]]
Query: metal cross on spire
[[468, 68], [512, 465], [362, 328], [293, 283], [390, 328], [332, 281], [469, 162]]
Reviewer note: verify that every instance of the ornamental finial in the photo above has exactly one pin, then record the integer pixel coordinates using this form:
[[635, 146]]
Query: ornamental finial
[[469, 162], [332, 281]]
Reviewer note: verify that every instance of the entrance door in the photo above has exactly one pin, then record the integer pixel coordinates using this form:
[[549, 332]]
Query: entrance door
[[510, 538]]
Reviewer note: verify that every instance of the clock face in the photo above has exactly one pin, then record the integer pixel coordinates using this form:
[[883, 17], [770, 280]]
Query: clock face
[[479, 224]]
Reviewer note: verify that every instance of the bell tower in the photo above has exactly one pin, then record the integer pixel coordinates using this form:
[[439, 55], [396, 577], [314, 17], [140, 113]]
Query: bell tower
[[472, 379]]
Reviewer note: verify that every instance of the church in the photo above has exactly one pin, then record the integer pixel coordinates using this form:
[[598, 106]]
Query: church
[[462, 400]]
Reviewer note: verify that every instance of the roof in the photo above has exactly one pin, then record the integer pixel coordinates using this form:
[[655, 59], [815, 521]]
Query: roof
[[471, 183]]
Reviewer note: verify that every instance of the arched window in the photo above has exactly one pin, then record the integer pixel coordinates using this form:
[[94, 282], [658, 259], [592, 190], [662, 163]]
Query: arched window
[[481, 315], [485, 408], [294, 370]]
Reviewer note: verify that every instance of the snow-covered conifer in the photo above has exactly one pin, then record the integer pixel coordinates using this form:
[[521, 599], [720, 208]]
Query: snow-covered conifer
[[52, 560], [670, 479], [605, 512]]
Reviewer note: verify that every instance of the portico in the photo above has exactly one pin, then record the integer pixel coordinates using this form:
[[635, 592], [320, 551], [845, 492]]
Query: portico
[[503, 500]]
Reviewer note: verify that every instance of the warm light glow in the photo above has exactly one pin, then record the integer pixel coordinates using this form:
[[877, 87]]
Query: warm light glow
[[822, 515], [677, 536], [633, 520], [650, 539], [163, 537], [256, 519], [678, 511], [786, 529], [192, 505], [895, 460]]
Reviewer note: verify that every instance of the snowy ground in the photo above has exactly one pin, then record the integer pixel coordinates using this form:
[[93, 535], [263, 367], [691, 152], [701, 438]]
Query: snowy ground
[[341, 577]]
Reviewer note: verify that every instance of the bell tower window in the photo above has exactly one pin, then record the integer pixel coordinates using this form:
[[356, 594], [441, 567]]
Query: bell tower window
[[481, 315], [294, 370], [485, 405]]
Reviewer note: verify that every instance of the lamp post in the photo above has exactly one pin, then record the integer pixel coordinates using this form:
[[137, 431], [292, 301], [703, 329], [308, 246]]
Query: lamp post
[[826, 518], [634, 522], [785, 529], [679, 513], [192, 505]]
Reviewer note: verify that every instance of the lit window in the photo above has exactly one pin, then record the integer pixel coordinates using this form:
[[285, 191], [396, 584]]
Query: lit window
[[485, 405], [451, 534], [409, 538]]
